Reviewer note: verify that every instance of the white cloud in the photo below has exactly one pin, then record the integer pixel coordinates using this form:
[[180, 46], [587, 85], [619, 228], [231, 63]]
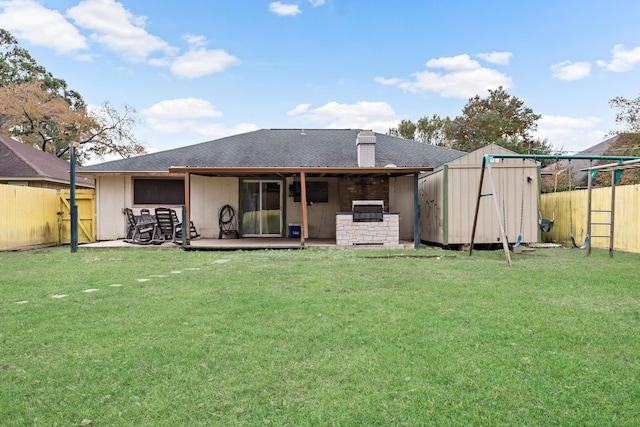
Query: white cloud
[[569, 133], [195, 40], [283, 9], [568, 70], [316, 3], [500, 58], [622, 59], [189, 115], [31, 21], [117, 29], [463, 78], [201, 62], [361, 115]]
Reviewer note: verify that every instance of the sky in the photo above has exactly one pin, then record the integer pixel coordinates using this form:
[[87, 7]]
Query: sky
[[198, 70]]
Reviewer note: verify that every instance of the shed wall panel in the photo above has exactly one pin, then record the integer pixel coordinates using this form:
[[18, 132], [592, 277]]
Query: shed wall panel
[[432, 207]]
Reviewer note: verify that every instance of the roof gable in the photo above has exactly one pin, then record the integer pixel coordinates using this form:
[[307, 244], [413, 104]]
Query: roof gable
[[475, 157], [18, 160], [285, 148]]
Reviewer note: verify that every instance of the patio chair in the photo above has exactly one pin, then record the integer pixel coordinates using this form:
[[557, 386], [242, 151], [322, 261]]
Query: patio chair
[[165, 223], [227, 222], [142, 231], [177, 228]]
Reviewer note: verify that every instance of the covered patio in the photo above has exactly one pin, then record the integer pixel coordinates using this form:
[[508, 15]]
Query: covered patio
[[301, 174]]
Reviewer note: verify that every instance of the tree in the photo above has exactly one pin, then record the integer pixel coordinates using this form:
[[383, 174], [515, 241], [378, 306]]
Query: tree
[[500, 118], [18, 66], [39, 110], [630, 114], [429, 130], [626, 142], [406, 129]]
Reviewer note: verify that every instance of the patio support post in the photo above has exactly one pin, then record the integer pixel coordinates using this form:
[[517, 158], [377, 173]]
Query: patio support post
[[416, 213], [303, 202], [187, 209]]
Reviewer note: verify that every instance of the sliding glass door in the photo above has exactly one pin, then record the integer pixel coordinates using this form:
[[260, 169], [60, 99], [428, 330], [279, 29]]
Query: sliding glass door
[[261, 208]]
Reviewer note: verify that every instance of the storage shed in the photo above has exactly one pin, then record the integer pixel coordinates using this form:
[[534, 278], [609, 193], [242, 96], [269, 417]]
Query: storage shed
[[448, 197]]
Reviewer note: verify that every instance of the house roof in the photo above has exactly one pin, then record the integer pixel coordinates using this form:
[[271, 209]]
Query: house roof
[[20, 161], [284, 148], [595, 150]]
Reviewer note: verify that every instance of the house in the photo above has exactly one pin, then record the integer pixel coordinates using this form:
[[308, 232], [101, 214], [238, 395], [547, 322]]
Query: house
[[23, 165], [616, 145], [448, 197], [263, 175]]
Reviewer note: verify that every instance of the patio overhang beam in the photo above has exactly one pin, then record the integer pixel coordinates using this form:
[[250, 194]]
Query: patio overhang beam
[[289, 171]]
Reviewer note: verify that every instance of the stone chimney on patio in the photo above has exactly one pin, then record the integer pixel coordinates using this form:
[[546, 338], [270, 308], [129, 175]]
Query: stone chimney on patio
[[366, 145]]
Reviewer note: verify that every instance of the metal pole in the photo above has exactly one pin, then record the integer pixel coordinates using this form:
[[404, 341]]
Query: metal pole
[[416, 213], [72, 201], [589, 188], [613, 212]]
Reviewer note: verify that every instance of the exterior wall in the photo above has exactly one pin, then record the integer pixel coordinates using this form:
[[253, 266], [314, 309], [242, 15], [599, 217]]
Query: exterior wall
[[517, 198], [430, 194], [208, 195], [113, 194], [385, 233], [401, 201], [28, 217], [321, 216]]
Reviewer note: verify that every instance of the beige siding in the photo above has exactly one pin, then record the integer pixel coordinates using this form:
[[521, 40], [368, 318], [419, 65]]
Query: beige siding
[[111, 198], [516, 196], [208, 195], [431, 207], [401, 201]]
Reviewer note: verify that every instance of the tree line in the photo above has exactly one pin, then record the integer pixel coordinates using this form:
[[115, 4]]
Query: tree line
[[503, 119], [40, 110]]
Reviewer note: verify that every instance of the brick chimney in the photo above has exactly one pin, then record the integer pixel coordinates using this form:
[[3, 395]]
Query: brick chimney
[[366, 145]]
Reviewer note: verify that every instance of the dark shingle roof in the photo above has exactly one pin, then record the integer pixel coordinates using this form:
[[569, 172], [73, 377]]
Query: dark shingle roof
[[285, 148], [18, 160]]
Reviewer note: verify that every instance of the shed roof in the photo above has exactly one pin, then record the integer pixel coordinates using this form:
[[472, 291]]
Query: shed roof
[[284, 148], [20, 161]]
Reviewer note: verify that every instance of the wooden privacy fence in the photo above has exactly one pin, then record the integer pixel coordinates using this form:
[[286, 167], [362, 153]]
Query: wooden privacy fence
[[570, 210], [31, 217]]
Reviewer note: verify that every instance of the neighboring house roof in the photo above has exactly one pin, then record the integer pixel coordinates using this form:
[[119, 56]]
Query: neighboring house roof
[[20, 161], [285, 148], [595, 150]]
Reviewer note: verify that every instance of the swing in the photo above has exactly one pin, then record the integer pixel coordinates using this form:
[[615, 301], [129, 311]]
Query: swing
[[573, 239], [544, 224]]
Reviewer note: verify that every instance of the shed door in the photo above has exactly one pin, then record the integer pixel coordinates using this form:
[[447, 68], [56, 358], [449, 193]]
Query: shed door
[[261, 208]]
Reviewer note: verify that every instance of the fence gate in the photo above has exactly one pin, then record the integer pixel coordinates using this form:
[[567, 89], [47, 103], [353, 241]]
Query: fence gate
[[85, 200]]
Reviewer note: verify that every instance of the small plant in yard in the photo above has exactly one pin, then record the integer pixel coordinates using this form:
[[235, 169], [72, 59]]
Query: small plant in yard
[[318, 337]]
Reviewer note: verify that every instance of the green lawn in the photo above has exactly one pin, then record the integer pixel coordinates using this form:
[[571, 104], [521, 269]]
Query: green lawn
[[319, 337]]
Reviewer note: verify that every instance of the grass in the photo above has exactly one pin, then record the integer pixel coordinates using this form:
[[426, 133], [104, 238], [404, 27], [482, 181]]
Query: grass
[[318, 337]]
